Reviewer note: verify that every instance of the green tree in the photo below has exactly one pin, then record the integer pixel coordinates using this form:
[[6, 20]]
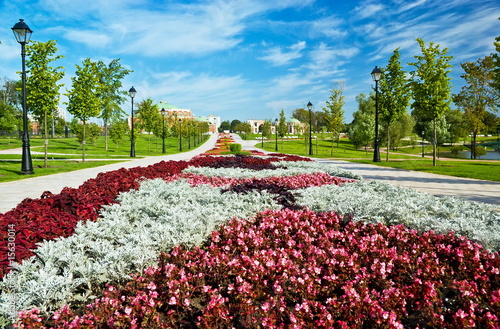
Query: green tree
[[9, 117], [89, 132], [334, 115], [234, 123], [301, 114], [225, 125], [110, 93], [244, 128], [42, 84], [478, 95], [83, 100], [10, 94], [117, 130], [394, 97], [490, 122], [149, 116], [266, 129], [362, 128], [430, 85], [457, 129], [496, 60], [401, 128]]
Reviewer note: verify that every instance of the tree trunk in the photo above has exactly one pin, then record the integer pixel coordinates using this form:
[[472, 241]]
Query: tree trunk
[[83, 142]]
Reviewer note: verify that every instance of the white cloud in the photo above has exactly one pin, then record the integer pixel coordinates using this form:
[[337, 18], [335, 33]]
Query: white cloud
[[368, 10], [277, 57], [95, 39], [328, 26]]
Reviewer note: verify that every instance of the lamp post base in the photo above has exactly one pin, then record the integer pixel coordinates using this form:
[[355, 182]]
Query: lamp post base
[[26, 163]]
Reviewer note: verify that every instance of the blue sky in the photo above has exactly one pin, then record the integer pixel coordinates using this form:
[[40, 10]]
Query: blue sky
[[248, 59]]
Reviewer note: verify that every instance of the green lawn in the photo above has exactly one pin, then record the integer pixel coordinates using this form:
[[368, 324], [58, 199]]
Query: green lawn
[[404, 159], [70, 157]]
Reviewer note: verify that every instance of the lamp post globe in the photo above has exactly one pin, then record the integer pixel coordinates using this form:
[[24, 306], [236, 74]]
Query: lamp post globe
[[132, 92], [309, 108], [22, 32], [376, 75], [163, 148]]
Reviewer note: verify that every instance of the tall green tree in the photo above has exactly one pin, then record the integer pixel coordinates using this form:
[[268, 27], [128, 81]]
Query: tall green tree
[[117, 130], [225, 125], [266, 129], [83, 99], [496, 60], [110, 92], [10, 94], [478, 95], [401, 128], [149, 117], [394, 96], [430, 85], [362, 128], [42, 84], [234, 124], [243, 127], [334, 115]]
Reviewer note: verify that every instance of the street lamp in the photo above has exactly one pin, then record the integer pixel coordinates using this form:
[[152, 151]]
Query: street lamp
[[276, 131], [180, 135], [163, 149], [132, 92], [309, 107], [376, 74], [23, 34]]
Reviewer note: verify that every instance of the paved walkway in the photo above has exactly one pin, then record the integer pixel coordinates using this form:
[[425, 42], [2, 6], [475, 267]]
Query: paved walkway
[[472, 189]]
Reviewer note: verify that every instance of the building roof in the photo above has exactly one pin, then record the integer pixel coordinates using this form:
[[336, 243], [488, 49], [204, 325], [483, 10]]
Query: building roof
[[293, 121], [166, 106]]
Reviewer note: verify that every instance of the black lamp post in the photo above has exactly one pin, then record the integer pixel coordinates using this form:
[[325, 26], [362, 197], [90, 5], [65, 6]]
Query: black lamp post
[[376, 74], [309, 107], [180, 135], [132, 92], [163, 149], [423, 143], [23, 34], [276, 131]]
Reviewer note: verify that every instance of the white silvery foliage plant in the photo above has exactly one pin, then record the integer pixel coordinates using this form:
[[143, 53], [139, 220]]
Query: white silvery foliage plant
[[128, 237], [285, 168], [375, 201]]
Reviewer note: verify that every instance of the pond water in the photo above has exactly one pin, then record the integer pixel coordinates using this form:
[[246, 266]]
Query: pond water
[[491, 155]]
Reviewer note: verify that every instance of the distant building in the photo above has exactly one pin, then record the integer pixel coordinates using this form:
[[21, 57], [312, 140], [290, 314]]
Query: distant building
[[174, 111], [186, 114], [293, 126]]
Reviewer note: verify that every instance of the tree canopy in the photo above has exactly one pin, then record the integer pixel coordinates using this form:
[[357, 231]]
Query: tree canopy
[[430, 84]]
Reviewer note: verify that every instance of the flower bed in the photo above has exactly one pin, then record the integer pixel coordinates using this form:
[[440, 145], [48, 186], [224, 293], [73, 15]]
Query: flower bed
[[289, 269], [341, 270]]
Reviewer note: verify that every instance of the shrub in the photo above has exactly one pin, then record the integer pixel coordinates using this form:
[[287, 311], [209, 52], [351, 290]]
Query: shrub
[[456, 150], [235, 147], [480, 151]]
